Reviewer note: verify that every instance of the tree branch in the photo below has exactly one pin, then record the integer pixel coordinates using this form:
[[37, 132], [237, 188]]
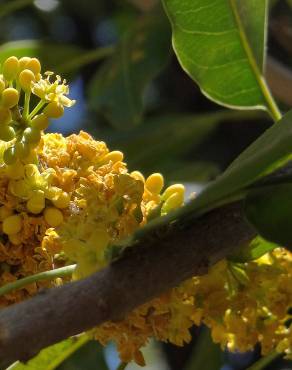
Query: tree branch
[[153, 266]]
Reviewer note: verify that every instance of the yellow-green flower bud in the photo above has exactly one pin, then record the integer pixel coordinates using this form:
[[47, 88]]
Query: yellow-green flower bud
[[2, 84], [54, 110], [34, 65], [53, 192], [154, 183], [174, 201], [10, 68], [7, 133], [22, 149], [10, 97], [62, 201], [53, 216], [15, 239], [26, 77], [5, 116], [9, 155], [40, 122], [23, 63], [176, 188], [138, 176], [31, 135], [12, 224], [114, 156], [37, 202]]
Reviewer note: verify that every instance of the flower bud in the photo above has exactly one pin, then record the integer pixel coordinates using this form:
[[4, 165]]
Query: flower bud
[[26, 77], [40, 122], [154, 183], [62, 201], [5, 116], [10, 68], [37, 202], [9, 155], [7, 133], [31, 135], [34, 65], [175, 188], [54, 110], [114, 156], [12, 224], [53, 216], [10, 97]]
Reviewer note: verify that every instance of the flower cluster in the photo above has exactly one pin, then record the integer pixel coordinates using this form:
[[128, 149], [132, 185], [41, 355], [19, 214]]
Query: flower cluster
[[69, 199]]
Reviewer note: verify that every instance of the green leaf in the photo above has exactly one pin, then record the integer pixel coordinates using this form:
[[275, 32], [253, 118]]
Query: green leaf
[[257, 248], [50, 55], [117, 88], [187, 132], [206, 354], [221, 45], [50, 358]]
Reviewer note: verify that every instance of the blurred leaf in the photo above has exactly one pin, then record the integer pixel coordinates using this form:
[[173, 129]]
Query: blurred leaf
[[221, 45], [117, 88], [257, 248], [11, 6], [183, 171], [89, 357], [206, 354], [183, 132], [50, 55], [269, 152], [51, 357]]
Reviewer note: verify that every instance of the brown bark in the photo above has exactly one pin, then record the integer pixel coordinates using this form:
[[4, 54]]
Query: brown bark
[[153, 266]]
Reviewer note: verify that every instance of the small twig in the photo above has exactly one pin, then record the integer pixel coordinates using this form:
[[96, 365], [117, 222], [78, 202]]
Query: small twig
[[45, 275]]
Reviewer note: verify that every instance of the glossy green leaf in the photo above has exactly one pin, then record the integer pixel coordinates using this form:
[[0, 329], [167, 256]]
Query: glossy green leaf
[[206, 354], [221, 45], [51, 55], [257, 248], [51, 357], [117, 88]]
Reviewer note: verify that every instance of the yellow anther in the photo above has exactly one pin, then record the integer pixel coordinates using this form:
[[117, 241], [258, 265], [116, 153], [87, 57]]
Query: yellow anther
[[10, 68], [5, 212], [154, 183], [9, 156], [34, 65], [174, 201], [114, 156], [138, 176], [53, 216], [23, 63], [5, 116], [37, 202], [12, 224], [7, 133], [26, 77], [40, 122], [10, 97], [15, 239], [54, 110], [175, 188], [15, 171], [62, 201]]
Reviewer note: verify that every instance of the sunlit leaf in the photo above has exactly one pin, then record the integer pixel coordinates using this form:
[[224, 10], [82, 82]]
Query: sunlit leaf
[[221, 45]]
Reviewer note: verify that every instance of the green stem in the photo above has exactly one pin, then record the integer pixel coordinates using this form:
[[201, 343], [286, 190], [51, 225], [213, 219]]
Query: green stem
[[36, 109], [87, 58], [80, 341], [122, 366], [26, 104], [45, 275], [271, 104], [264, 361]]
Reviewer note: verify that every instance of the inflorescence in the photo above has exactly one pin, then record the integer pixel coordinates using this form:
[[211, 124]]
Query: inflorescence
[[67, 200]]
